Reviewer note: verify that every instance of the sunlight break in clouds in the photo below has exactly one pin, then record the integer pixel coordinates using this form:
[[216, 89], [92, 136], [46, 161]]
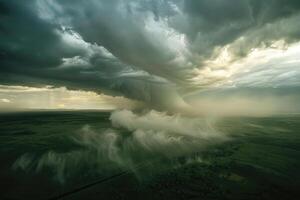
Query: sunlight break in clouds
[[21, 97]]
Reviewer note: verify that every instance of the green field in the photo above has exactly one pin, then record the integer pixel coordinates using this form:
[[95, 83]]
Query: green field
[[79, 155]]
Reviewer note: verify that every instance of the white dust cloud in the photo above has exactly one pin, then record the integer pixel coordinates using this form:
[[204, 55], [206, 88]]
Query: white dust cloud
[[134, 143]]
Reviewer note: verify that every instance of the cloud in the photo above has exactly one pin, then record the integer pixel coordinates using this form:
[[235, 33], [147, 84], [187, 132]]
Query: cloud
[[215, 23], [5, 100], [271, 67], [156, 121], [135, 143], [144, 50]]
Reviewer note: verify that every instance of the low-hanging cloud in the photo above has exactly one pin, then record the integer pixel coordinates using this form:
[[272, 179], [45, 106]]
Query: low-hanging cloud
[[134, 143], [161, 122]]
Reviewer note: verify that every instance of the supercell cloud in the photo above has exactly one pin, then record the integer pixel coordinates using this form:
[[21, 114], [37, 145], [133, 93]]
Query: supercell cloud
[[155, 51]]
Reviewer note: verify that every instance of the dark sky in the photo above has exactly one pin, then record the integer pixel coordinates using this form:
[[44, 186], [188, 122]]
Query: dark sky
[[156, 51]]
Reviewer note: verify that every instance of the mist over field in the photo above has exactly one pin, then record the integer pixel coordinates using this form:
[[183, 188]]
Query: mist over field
[[96, 153], [131, 140]]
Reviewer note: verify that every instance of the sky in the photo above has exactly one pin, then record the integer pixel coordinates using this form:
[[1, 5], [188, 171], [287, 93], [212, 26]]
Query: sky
[[212, 56]]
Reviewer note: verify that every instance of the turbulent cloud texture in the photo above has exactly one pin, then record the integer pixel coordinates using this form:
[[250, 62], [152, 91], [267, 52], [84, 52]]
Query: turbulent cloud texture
[[153, 51]]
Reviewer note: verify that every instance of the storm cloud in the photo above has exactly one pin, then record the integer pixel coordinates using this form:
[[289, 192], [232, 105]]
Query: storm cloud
[[153, 51]]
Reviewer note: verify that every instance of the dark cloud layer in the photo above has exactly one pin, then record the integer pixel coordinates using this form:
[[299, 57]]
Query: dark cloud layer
[[212, 23], [145, 50]]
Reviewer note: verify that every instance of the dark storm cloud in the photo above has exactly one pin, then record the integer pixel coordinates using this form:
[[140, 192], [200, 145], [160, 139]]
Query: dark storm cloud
[[33, 51], [121, 27], [139, 49], [20, 30], [213, 23]]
